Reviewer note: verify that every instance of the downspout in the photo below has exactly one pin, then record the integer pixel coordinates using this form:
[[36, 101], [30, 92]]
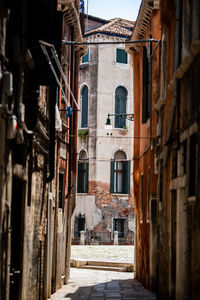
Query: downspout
[[177, 57], [69, 202]]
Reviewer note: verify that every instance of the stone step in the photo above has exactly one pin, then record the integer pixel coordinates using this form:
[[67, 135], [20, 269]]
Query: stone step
[[103, 265], [105, 268], [108, 263]]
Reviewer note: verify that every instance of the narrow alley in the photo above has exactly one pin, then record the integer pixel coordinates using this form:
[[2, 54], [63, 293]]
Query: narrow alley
[[102, 285], [99, 149], [96, 284]]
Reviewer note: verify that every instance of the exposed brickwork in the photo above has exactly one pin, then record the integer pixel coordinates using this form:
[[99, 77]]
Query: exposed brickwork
[[111, 206]]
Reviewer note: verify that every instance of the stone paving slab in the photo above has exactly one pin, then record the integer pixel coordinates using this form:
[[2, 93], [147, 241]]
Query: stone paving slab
[[102, 285], [111, 253]]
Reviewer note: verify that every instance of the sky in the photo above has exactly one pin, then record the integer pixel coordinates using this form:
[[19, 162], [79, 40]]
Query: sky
[[108, 9]]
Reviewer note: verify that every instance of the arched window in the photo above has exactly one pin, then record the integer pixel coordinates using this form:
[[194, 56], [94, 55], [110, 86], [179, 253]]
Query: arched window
[[120, 174], [84, 108], [120, 106], [83, 172]]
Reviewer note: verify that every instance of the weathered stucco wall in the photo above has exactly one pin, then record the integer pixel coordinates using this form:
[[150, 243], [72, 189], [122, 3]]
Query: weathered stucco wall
[[103, 75]]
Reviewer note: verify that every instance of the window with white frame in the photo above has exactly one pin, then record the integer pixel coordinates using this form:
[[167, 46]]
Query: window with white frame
[[120, 174]]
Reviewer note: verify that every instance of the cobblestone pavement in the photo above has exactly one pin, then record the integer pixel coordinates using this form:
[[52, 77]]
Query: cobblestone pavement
[[103, 253], [102, 285]]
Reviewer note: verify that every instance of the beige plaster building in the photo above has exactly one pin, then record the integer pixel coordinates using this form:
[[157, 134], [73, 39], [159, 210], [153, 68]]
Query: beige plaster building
[[105, 166]]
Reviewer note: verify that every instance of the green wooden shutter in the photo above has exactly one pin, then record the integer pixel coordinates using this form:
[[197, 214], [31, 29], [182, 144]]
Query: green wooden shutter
[[79, 178], [120, 106], [127, 171], [84, 120], [112, 165], [86, 174], [145, 86]]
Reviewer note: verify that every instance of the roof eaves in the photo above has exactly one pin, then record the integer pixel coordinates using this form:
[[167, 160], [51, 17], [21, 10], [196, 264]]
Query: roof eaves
[[106, 33], [72, 19], [96, 19], [142, 22]]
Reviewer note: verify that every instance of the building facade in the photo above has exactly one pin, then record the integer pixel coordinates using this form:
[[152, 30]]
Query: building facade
[[166, 252], [146, 92], [105, 187], [36, 174]]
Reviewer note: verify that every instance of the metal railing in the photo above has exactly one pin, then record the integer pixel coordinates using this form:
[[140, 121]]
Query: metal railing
[[105, 238]]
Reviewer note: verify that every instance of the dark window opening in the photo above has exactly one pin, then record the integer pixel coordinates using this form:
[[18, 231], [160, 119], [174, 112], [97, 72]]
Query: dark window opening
[[192, 162], [145, 82], [120, 107], [174, 164], [79, 225], [85, 58], [121, 56], [184, 158], [120, 174], [61, 185], [154, 210], [161, 182], [119, 225], [84, 116], [148, 191], [83, 171], [142, 197]]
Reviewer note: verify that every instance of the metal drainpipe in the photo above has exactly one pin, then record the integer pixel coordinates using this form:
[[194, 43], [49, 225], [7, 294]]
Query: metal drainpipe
[[177, 56], [69, 204], [150, 85]]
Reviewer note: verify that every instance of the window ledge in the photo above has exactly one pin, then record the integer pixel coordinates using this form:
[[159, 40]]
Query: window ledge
[[117, 194], [82, 194], [121, 64], [84, 65]]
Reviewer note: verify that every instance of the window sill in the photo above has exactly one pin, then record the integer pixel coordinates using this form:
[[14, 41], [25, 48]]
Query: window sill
[[84, 63], [82, 194], [117, 194]]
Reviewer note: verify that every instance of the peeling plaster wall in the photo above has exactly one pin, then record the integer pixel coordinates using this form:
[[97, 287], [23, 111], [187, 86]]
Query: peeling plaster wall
[[99, 206]]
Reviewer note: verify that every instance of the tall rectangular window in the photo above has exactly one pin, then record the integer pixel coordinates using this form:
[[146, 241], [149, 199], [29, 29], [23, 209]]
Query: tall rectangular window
[[61, 185], [120, 177], [79, 225], [120, 106], [148, 192], [119, 225], [121, 56], [141, 197], [83, 172], [145, 86], [161, 182], [84, 108]]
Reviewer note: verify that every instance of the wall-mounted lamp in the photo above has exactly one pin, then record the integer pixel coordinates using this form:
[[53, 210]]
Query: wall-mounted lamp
[[129, 117], [108, 125]]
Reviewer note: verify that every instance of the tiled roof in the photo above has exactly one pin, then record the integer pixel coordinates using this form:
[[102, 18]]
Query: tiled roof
[[115, 27], [90, 17]]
